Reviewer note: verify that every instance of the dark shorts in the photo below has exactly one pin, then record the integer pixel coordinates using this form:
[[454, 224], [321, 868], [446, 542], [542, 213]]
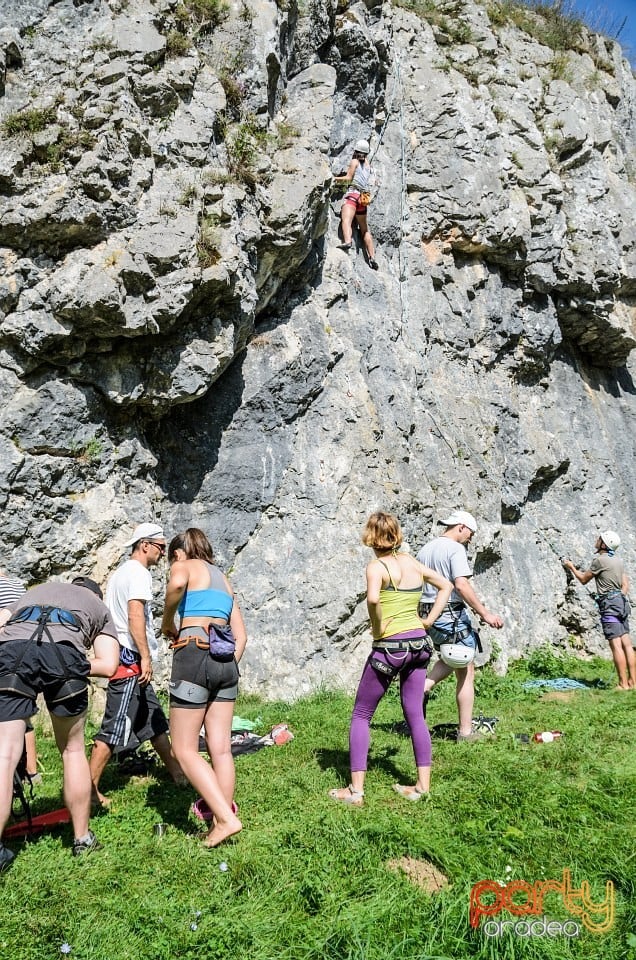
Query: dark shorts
[[133, 715], [38, 666], [615, 610], [193, 665]]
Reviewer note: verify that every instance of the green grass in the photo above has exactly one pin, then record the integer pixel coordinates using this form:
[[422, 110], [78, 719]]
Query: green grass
[[308, 878], [555, 23]]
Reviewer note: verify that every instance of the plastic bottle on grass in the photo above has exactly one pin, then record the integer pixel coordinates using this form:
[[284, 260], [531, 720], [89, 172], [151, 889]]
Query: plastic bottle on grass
[[547, 736]]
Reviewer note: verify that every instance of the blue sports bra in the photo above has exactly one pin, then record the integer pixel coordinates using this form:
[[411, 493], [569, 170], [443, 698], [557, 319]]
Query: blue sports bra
[[214, 601]]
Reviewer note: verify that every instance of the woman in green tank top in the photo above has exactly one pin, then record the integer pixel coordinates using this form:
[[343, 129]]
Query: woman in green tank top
[[400, 648]]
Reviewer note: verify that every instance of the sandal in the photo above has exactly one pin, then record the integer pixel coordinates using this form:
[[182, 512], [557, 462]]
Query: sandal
[[354, 798], [201, 810], [410, 793]]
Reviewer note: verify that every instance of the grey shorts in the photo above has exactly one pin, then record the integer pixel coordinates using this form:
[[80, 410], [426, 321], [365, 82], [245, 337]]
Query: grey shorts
[[133, 715], [195, 666], [615, 610]]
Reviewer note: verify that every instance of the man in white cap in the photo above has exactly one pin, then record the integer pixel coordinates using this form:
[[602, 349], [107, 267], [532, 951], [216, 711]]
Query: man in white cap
[[133, 713], [454, 630], [612, 587]]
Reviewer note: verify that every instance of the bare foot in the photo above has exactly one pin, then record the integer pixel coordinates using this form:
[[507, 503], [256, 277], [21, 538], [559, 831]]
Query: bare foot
[[100, 800], [223, 831], [621, 688]]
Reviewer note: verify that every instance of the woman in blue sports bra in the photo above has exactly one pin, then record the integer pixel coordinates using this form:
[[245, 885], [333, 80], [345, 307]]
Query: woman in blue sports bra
[[203, 687]]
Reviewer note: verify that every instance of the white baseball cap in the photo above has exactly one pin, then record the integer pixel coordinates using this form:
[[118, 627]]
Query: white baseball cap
[[146, 531], [460, 516], [611, 539]]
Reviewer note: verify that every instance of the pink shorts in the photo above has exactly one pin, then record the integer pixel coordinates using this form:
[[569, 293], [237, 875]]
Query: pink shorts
[[352, 200]]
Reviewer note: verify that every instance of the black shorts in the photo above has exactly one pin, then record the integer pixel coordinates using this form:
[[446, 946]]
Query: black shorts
[[193, 665], [38, 666], [133, 715]]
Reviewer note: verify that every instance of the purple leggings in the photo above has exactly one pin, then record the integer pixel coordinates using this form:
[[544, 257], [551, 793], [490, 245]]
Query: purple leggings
[[373, 686]]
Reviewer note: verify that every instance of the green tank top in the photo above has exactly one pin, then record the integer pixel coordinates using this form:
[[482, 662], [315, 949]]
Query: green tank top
[[399, 608]]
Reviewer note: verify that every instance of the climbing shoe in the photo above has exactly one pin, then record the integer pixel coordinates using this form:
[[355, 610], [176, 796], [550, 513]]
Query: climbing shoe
[[345, 246], [6, 857], [87, 844], [373, 264]]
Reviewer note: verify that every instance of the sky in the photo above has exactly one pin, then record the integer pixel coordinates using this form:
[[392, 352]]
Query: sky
[[607, 16]]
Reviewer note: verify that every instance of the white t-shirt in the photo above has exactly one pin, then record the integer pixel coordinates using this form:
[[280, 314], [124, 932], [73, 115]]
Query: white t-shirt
[[447, 557], [131, 581]]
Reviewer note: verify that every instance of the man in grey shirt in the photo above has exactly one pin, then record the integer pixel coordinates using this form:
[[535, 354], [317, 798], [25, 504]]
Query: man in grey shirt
[[612, 586], [44, 649], [447, 556]]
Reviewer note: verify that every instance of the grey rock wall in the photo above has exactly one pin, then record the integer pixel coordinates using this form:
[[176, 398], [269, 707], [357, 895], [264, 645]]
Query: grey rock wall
[[181, 338]]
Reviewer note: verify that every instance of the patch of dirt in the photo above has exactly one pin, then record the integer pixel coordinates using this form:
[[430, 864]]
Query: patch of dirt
[[561, 696], [420, 872]]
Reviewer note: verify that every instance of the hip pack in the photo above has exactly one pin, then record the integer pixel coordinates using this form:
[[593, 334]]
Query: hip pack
[[222, 641]]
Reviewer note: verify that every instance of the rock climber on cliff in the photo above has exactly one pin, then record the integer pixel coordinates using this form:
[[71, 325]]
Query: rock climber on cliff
[[356, 200], [612, 585]]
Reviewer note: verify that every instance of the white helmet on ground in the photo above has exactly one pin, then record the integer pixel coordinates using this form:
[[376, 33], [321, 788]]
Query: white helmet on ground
[[456, 655], [611, 539]]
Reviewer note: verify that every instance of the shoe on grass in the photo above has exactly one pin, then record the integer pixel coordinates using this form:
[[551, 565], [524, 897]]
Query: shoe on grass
[[410, 793], [468, 737], [87, 844], [6, 857], [355, 798]]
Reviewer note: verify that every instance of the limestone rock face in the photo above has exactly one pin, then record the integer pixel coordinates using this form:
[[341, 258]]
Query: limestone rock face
[[182, 339]]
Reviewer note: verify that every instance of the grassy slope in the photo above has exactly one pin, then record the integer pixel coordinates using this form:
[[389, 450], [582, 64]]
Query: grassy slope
[[308, 878]]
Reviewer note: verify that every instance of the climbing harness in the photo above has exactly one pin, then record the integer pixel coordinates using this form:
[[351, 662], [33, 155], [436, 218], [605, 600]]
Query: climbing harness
[[457, 634], [181, 642], [43, 617]]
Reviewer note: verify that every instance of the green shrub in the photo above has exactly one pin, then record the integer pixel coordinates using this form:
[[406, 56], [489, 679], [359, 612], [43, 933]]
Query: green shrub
[[33, 120], [544, 662], [216, 177], [188, 194], [243, 147], [208, 243], [69, 145], [233, 89], [205, 14], [177, 44]]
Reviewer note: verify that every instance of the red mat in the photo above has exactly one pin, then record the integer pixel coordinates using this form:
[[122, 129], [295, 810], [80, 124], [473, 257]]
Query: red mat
[[41, 822]]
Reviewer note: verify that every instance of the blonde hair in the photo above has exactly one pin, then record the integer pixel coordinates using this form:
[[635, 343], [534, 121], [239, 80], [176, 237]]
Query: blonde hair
[[382, 531]]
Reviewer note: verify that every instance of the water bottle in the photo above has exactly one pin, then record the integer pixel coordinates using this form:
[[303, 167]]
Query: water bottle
[[547, 736]]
